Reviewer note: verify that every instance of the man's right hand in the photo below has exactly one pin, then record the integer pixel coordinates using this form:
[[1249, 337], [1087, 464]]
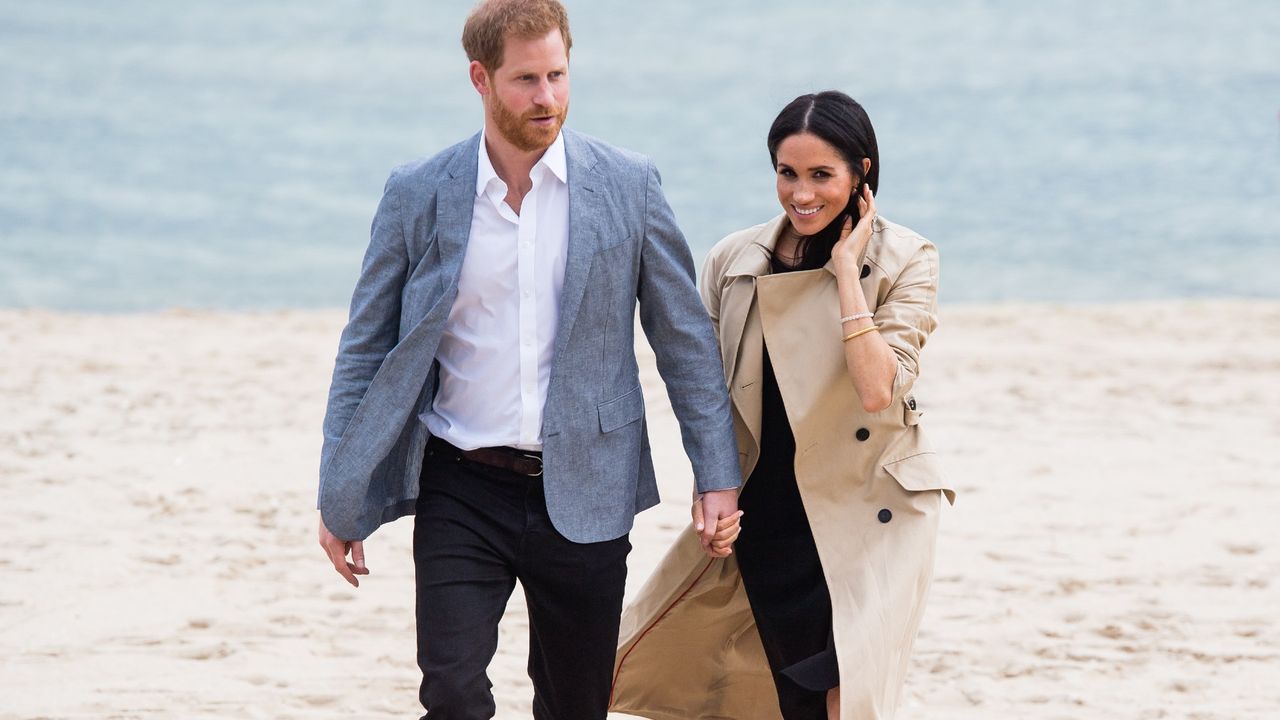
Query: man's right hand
[[337, 550]]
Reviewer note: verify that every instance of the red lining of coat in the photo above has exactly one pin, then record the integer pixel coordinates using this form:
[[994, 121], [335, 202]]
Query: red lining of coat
[[614, 685]]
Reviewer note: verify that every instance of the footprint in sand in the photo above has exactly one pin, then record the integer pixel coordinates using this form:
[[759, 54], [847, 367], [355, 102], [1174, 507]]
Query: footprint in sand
[[170, 559], [1113, 632], [206, 652]]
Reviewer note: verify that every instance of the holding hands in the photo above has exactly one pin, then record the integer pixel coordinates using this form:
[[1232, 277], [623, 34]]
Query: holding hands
[[716, 518]]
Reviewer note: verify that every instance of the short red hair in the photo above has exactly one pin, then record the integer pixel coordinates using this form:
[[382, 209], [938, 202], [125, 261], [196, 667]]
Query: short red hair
[[490, 21]]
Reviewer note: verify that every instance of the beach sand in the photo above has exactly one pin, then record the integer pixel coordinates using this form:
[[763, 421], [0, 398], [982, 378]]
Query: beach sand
[[1113, 552]]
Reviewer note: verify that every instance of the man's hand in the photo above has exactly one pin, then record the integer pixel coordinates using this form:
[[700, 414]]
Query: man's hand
[[715, 517], [337, 550]]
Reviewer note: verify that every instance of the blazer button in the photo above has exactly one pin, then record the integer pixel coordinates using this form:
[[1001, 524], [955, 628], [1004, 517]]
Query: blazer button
[[885, 516], [866, 270], [862, 434]]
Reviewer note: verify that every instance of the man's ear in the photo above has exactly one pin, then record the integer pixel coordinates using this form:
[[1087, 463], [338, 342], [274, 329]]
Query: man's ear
[[480, 78]]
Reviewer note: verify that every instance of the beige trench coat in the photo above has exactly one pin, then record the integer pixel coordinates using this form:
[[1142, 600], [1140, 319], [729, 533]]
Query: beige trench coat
[[688, 646]]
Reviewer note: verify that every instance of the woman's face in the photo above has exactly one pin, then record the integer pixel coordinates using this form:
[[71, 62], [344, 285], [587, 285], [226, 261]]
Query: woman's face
[[814, 182]]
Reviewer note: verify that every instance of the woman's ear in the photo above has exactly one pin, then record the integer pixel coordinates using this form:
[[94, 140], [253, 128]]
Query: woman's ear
[[866, 166]]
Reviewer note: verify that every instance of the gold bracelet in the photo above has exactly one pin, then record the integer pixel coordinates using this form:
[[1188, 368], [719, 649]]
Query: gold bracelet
[[863, 331]]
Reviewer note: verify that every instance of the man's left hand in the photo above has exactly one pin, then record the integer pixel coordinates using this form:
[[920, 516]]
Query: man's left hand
[[710, 510]]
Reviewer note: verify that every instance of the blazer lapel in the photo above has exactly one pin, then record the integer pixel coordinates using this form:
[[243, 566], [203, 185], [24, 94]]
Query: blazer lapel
[[455, 202], [585, 207]]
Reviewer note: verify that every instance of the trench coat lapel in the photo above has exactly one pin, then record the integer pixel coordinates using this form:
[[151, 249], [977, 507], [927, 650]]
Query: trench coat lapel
[[585, 209], [742, 335]]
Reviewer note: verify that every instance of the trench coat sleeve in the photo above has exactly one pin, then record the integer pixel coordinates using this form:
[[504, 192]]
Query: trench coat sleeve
[[709, 287], [909, 313], [373, 327]]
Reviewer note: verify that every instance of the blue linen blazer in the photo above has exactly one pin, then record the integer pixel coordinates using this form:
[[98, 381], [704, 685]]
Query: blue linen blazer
[[624, 249]]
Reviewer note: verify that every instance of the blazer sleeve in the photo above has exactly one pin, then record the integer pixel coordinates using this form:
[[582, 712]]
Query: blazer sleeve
[[909, 313], [373, 327], [684, 343]]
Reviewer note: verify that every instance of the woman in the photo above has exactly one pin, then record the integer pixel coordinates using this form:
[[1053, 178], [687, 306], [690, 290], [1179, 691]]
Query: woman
[[821, 315]]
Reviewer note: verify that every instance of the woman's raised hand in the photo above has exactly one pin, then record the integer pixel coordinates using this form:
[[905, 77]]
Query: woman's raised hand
[[853, 238]]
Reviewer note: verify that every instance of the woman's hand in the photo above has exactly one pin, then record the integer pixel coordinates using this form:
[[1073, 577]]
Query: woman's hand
[[847, 252]]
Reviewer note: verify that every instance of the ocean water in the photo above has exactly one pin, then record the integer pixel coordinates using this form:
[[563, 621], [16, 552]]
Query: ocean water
[[230, 154]]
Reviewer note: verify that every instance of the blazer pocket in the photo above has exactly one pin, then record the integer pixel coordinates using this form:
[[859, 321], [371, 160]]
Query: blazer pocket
[[615, 241], [622, 410], [918, 473]]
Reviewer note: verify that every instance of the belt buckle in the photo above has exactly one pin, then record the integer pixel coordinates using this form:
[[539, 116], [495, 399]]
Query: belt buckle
[[534, 457]]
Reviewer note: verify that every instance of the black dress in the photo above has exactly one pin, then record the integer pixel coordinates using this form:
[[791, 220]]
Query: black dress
[[781, 571]]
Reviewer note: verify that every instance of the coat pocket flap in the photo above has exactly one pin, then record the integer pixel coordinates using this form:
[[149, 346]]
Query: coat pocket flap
[[920, 472], [622, 410]]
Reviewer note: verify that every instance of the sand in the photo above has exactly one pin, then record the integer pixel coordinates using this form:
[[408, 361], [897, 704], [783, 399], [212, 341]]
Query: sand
[[1113, 552]]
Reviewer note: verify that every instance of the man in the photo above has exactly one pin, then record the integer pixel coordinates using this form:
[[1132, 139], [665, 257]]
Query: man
[[487, 381]]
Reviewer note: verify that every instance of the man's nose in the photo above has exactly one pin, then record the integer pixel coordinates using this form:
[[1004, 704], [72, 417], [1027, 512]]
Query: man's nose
[[545, 97]]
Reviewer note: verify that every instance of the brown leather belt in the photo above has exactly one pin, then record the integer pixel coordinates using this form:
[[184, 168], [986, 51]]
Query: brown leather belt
[[523, 462]]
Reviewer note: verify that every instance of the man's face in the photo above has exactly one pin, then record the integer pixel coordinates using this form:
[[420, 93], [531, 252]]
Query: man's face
[[527, 97]]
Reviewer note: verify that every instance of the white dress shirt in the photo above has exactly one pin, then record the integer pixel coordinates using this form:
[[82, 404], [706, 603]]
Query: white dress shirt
[[495, 354]]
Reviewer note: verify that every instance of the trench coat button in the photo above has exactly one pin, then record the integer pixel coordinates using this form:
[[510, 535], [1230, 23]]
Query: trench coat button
[[911, 403], [884, 515], [866, 270], [862, 434]]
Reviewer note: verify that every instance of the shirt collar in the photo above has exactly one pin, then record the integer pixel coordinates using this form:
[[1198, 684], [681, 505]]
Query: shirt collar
[[553, 159]]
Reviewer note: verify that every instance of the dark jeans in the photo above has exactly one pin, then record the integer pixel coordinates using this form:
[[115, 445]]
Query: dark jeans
[[478, 529]]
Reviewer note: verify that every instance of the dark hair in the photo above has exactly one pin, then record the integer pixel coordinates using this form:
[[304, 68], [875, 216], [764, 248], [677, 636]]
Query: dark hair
[[840, 121]]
